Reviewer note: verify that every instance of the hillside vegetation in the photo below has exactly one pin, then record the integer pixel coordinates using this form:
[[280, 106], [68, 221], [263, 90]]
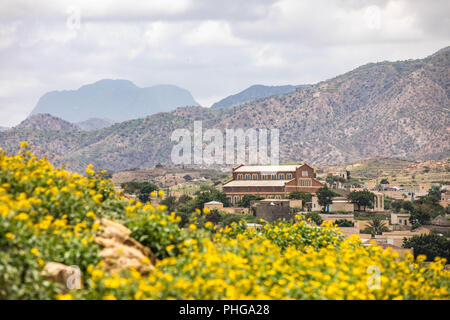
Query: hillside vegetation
[[253, 93], [396, 171]]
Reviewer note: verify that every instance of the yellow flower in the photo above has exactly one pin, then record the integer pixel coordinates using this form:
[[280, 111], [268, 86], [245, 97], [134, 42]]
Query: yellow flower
[[97, 274], [24, 144], [40, 262], [421, 258], [97, 198], [153, 194], [66, 296], [161, 193], [145, 260], [21, 216], [192, 227], [91, 214], [34, 251], [170, 247], [135, 274], [9, 235], [209, 225], [161, 208], [206, 210], [109, 297]]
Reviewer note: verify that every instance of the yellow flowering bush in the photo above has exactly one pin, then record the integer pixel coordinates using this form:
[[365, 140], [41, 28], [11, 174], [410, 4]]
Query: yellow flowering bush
[[49, 214], [43, 218], [286, 234], [256, 268]]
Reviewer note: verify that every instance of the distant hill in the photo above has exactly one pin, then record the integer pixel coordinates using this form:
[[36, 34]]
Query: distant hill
[[118, 100], [94, 124], [45, 121], [388, 109], [253, 93], [398, 172]]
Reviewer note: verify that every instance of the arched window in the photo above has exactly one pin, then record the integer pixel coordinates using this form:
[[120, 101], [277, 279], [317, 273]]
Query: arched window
[[239, 176], [282, 176], [255, 177], [289, 176]]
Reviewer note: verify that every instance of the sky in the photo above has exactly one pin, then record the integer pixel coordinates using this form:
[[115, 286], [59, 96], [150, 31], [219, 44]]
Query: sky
[[213, 48]]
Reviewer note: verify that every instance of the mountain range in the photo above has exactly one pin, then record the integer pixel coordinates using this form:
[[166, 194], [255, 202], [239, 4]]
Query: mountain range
[[390, 109], [253, 93], [94, 124], [118, 100]]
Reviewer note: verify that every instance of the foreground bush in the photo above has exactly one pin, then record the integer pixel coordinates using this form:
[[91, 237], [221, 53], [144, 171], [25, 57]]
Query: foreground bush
[[49, 214]]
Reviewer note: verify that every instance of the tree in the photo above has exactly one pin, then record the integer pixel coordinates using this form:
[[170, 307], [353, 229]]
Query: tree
[[300, 195], [141, 189], [324, 197], [435, 192], [214, 216], [247, 199], [332, 179], [431, 245], [387, 203], [362, 198], [384, 181], [375, 226], [184, 198], [397, 205], [407, 206], [170, 202], [314, 216], [209, 193], [344, 223], [420, 215], [426, 208]]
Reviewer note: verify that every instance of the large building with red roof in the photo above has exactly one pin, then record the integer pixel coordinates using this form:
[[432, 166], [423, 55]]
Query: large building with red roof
[[270, 181]]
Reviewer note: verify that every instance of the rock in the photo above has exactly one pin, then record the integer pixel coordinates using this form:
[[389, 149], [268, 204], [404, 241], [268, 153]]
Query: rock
[[120, 251], [68, 276]]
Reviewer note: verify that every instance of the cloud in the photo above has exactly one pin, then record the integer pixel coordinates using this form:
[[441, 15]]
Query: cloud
[[212, 33], [212, 48]]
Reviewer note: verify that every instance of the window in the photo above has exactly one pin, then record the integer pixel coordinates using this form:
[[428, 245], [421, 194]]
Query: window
[[282, 176], [239, 176], [247, 177], [400, 220], [255, 177], [304, 173], [289, 176], [274, 177], [236, 199], [406, 222], [304, 182]]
